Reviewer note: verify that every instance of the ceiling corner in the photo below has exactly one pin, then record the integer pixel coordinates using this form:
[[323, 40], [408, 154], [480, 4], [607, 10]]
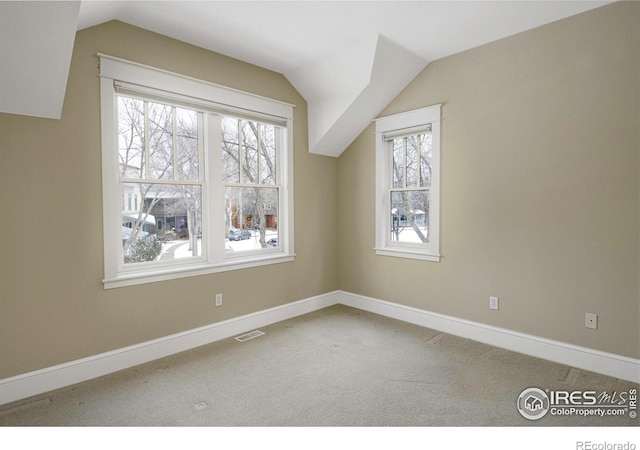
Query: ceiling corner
[[391, 68]]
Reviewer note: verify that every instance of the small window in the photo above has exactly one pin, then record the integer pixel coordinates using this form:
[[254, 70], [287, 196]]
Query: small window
[[407, 184]]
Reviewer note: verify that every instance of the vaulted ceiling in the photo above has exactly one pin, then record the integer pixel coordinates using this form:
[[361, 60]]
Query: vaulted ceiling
[[348, 59]]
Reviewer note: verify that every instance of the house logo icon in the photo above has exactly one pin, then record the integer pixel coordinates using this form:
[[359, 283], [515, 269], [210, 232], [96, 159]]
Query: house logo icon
[[533, 403]]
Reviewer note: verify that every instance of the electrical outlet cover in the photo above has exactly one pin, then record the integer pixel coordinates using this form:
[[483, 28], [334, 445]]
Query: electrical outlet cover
[[591, 321]]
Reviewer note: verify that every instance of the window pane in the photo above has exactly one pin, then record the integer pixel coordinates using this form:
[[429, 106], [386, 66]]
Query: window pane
[[251, 218], [410, 216], [398, 163], [160, 141], [412, 160], [188, 154], [230, 167], [131, 137], [167, 224], [267, 154], [249, 152], [425, 159]]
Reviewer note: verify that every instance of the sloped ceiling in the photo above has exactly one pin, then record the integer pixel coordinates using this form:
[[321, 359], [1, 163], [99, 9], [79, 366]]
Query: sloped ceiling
[[349, 59], [36, 42]]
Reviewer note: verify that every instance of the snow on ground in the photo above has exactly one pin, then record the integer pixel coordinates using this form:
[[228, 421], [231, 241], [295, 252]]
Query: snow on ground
[[180, 248]]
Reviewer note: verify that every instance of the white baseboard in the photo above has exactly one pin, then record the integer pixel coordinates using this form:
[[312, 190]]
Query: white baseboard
[[604, 363], [40, 381], [48, 379]]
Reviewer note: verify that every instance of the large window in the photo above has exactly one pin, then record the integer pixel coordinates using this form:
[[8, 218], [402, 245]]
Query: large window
[[407, 184], [197, 178]]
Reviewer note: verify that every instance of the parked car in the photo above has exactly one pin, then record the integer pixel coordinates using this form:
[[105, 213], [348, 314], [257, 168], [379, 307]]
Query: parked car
[[272, 242], [239, 235]]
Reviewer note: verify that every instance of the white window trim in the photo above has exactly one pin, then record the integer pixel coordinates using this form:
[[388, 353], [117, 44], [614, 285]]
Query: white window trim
[[396, 125], [211, 97]]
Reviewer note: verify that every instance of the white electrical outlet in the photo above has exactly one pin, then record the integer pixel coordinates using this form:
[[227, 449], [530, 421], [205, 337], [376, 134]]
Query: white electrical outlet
[[493, 302], [218, 299], [591, 321]]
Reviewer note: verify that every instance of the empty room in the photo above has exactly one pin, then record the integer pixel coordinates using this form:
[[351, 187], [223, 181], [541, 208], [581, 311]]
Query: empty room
[[320, 214]]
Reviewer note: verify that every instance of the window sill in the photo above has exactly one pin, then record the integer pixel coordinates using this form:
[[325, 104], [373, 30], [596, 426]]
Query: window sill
[[406, 253], [192, 270]]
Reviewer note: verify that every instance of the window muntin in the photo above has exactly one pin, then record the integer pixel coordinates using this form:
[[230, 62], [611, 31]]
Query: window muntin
[[167, 184], [407, 184]]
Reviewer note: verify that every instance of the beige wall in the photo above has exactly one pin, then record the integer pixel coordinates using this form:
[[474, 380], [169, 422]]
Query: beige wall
[[540, 186], [53, 308]]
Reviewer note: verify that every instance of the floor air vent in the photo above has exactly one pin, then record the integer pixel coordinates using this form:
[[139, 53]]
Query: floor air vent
[[250, 335]]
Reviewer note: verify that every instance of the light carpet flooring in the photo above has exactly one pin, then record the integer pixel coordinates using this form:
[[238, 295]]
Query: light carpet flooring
[[335, 367]]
